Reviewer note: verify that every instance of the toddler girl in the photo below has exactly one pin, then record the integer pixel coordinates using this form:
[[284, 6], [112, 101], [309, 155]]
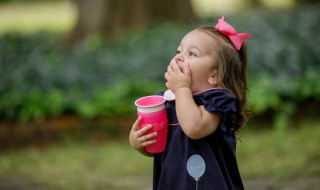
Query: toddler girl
[[208, 78]]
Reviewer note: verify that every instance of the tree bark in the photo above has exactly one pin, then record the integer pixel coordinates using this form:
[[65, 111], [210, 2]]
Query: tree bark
[[110, 18]]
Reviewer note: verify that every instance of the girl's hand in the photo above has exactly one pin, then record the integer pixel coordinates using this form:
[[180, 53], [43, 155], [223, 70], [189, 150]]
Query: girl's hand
[[137, 138], [176, 78]]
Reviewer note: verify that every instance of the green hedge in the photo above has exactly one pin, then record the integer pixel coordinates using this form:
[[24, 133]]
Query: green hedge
[[41, 79], [284, 58]]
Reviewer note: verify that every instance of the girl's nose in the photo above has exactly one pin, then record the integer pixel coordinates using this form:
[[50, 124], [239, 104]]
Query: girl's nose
[[179, 58]]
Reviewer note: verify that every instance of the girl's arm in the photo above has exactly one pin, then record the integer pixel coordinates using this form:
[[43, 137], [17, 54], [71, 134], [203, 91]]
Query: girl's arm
[[196, 122]]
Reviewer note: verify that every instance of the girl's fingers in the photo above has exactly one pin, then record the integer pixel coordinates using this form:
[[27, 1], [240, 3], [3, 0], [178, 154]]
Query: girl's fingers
[[136, 124], [145, 140], [144, 129], [137, 138], [175, 67], [147, 137], [186, 68], [172, 67], [169, 69], [166, 75], [146, 143]]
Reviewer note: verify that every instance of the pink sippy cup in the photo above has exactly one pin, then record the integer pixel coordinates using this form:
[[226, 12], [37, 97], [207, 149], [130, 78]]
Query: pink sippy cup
[[152, 110]]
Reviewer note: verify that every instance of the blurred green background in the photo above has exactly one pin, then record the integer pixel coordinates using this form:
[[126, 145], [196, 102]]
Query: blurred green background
[[70, 71]]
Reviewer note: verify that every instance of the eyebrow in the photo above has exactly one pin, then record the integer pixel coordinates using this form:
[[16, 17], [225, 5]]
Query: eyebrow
[[192, 47], [198, 49]]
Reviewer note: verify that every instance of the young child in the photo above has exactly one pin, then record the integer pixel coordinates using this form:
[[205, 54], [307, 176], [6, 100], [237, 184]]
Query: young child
[[208, 78]]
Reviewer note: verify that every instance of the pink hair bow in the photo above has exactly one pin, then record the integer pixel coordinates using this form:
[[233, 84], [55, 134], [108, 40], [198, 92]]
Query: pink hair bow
[[226, 29]]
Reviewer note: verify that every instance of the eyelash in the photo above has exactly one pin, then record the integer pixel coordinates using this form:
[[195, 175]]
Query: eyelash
[[190, 53]]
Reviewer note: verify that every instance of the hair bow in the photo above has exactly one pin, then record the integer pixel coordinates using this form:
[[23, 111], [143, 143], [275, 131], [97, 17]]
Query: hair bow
[[226, 29]]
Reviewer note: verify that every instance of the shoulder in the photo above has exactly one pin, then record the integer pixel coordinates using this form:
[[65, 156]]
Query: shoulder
[[216, 95], [220, 100]]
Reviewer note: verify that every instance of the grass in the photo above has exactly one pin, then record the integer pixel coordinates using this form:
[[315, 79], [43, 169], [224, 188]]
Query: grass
[[293, 154], [114, 165], [79, 165], [29, 17]]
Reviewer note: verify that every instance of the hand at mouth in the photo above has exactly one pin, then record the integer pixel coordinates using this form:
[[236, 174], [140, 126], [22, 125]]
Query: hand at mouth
[[181, 68]]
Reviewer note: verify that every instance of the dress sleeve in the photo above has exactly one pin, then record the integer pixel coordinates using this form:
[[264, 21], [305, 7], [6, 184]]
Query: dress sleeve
[[161, 93], [222, 102]]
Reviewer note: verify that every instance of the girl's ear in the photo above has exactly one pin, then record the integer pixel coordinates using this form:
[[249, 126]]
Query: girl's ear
[[213, 79]]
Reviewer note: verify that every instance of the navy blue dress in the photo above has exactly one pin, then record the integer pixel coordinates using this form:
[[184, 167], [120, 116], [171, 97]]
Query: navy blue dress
[[218, 149]]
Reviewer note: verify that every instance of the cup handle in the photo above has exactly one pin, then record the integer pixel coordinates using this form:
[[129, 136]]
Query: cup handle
[[160, 126]]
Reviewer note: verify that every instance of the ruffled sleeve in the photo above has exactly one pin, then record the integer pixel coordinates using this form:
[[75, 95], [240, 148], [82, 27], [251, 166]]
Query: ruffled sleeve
[[223, 102]]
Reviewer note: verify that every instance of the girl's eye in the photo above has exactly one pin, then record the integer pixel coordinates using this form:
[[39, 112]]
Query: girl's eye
[[192, 54], [177, 52]]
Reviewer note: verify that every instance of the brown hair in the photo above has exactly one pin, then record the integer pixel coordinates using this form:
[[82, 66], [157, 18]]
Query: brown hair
[[231, 68]]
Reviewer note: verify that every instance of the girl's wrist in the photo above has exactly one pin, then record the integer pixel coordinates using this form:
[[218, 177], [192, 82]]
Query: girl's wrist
[[182, 90]]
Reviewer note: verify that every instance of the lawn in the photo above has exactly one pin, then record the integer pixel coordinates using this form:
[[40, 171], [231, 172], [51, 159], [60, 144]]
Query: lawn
[[262, 153], [293, 154], [80, 165], [28, 17]]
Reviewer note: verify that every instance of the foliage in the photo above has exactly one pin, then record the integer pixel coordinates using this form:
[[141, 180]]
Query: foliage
[[115, 165], [284, 62], [284, 58], [41, 79]]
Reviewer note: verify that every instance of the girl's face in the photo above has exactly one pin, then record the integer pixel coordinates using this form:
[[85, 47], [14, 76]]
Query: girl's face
[[197, 49]]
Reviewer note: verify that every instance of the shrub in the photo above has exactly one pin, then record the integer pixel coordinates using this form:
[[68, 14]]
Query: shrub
[[284, 59], [40, 79]]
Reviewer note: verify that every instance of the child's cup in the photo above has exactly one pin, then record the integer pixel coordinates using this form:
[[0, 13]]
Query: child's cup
[[152, 110]]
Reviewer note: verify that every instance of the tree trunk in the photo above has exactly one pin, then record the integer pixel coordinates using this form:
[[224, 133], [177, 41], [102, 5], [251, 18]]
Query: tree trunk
[[110, 18], [307, 2], [255, 4]]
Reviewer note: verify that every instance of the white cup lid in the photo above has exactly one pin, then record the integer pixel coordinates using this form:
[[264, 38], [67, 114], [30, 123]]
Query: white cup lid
[[169, 95]]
